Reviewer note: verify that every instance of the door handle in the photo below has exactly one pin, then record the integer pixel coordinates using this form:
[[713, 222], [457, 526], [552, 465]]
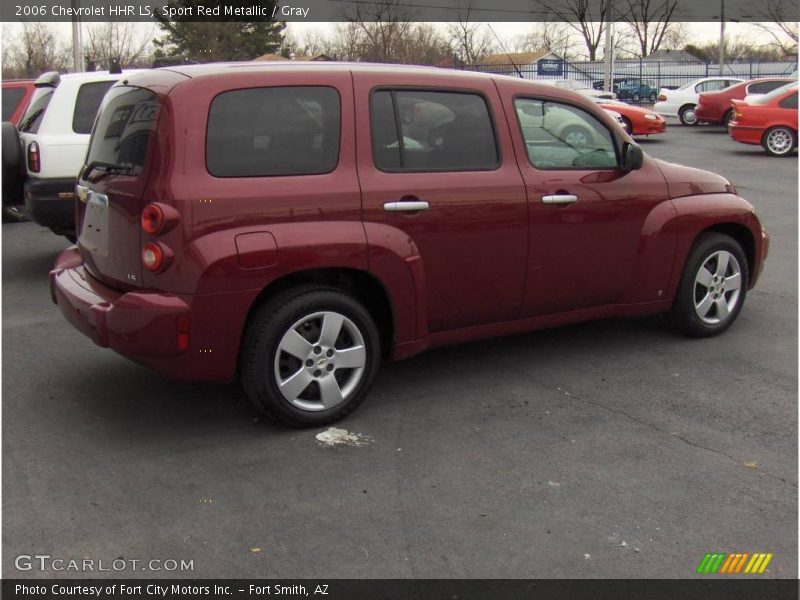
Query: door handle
[[560, 199], [406, 206]]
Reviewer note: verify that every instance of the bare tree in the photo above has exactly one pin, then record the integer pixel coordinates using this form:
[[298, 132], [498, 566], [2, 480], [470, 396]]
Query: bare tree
[[549, 36], [651, 22], [127, 44], [348, 41], [778, 23], [312, 43], [383, 25], [471, 41], [35, 50], [587, 17]]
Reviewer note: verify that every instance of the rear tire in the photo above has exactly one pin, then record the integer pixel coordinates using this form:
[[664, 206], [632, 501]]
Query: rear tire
[[779, 141], [636, 97], [727, 118], [629, 125], [13, 166], [653, 97], [309, 356], [713, 286], [687, 116]]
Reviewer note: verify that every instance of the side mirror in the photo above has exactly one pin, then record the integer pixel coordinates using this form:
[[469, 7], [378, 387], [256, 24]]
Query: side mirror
[[632, 157]]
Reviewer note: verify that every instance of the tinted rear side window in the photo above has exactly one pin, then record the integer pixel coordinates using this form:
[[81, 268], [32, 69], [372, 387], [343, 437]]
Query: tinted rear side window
[[35, 113], [765, 87], [432, 131], [261, 132], [789, 101], [120, 140], [11, 99], [90, 96]]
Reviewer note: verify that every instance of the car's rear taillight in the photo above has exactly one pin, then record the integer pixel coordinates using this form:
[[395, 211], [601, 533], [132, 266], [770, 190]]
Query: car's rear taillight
[[152, 219], [34, 158], [158, 218], [155, 257], [662, 98]]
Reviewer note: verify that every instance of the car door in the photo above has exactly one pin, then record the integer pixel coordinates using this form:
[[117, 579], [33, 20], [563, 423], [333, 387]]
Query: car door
[[587, 216], [435, 164]]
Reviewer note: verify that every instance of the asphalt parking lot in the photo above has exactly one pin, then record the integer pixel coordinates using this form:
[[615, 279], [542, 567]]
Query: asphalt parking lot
[[608, 449]]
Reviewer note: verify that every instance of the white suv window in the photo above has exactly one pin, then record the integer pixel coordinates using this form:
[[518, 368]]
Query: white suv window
[[90, 95]]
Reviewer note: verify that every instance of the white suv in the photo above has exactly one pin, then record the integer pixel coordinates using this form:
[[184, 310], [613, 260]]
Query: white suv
[[54, 135], [682, 102]]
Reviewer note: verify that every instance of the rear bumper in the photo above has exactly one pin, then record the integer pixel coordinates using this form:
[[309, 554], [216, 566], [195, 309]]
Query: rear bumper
[[707, 114], [746, 135], [51, 203], [144, 325]]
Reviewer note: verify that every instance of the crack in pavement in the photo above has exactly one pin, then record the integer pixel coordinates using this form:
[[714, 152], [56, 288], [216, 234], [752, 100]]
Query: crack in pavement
[[653, 426]]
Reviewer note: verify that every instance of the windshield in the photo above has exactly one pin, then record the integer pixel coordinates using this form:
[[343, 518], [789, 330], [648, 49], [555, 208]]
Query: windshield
[[770, 96], [35, 113], [122, 133]]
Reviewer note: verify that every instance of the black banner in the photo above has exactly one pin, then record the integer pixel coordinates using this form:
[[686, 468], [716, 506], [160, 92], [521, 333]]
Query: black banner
[[732, 588], [373, 10]]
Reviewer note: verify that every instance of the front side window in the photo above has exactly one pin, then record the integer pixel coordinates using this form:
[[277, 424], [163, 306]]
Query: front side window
[[432, 131], [90, 96], [560, 136], [11, 99], [261, 132], [120, 140], [789, 101]]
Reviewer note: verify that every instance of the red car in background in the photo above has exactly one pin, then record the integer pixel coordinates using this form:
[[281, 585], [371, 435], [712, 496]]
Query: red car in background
[[640, 121], [16, 97], [770, 120], [715, 107]]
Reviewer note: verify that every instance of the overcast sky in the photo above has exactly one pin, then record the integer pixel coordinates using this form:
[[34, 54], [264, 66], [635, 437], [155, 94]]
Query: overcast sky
[[698, 32]]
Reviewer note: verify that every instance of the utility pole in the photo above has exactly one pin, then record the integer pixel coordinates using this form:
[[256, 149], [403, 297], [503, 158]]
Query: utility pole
[[721, 35], [77, 40], [608, 55]]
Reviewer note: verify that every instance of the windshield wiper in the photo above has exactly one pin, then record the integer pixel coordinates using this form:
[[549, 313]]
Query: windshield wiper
[[29, 121], [108, 167]]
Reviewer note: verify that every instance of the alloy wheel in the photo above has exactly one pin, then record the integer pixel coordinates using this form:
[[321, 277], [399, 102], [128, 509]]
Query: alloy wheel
[[779, 141], [717, 287], [320, 361]]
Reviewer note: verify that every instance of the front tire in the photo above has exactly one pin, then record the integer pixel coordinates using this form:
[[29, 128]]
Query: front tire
[[779, 141], [687, 115], [309, 356], [713, 286]]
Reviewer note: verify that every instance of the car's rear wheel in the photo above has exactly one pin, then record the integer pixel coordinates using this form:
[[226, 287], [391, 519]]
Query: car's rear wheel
[[726, 120], [687, 115], [309, 356], [13, 167], [713, 286], [779, 141], [636, 97], [653, 97]]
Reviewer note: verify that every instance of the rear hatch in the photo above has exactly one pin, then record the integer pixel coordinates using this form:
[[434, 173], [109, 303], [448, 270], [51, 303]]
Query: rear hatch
[[112, 184]]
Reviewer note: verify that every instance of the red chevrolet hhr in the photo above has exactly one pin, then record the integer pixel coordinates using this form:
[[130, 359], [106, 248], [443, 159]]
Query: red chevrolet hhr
[[290, 225]]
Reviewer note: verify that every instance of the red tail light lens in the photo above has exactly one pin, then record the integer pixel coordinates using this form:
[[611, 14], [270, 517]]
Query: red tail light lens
[[152, 219], [662, 98], [182, 331], [152, 257], [34, 159]]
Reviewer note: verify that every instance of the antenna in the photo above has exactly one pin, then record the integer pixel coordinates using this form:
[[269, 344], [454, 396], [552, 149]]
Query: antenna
[[503, 48]]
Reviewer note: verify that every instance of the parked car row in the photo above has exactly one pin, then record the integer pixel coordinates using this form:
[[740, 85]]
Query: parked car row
[[758, 111], [42, 155]]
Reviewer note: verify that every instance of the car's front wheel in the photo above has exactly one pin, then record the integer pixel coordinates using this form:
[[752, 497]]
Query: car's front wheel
[[309, 356], [687, 115], [713, 286], [779, 141]]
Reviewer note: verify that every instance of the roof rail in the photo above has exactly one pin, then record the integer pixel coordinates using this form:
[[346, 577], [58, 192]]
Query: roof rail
[[49, 79]]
